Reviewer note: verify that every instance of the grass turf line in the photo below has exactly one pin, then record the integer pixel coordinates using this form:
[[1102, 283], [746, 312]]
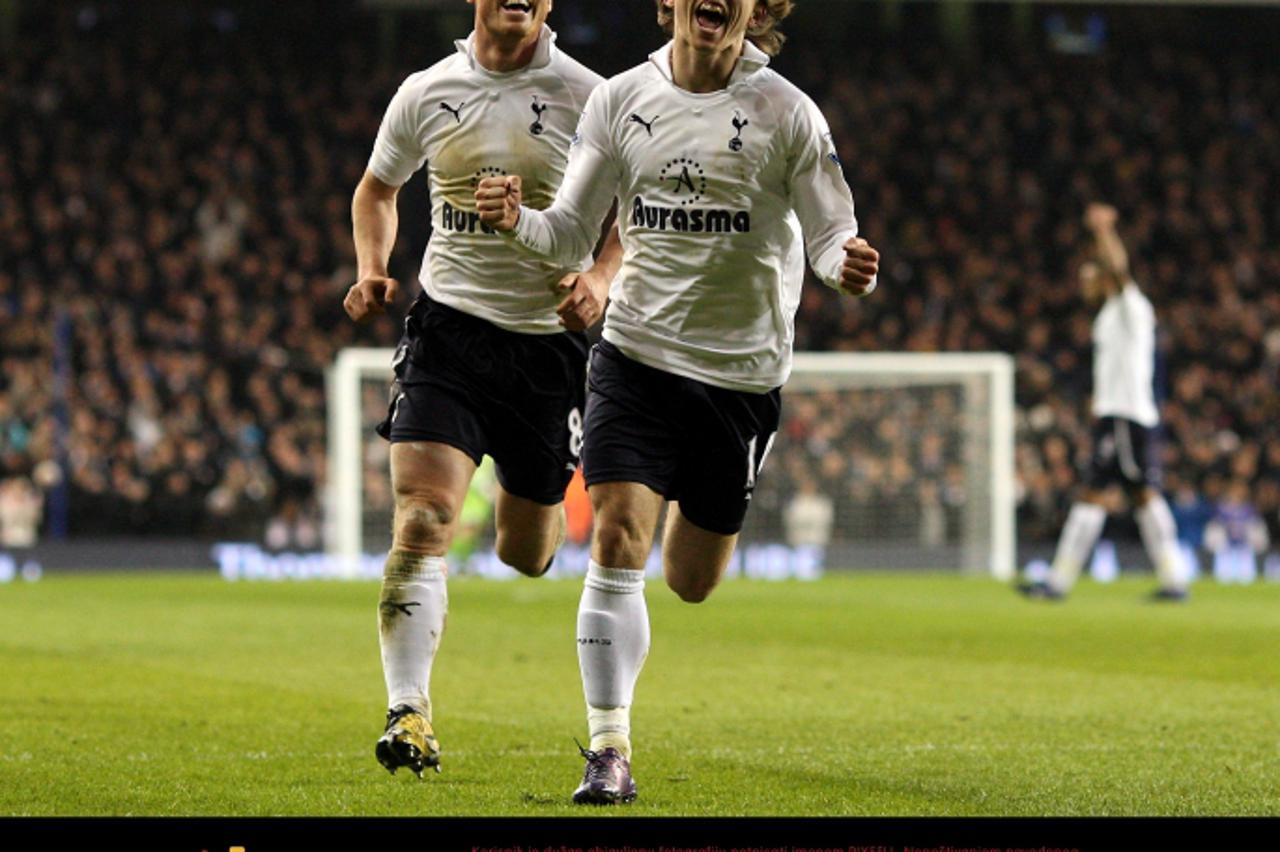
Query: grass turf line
[[855, 695]]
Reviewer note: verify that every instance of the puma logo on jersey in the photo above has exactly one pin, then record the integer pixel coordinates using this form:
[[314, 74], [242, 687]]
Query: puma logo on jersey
[[538, 109], [647, 125], [456, 112], [739, 122]]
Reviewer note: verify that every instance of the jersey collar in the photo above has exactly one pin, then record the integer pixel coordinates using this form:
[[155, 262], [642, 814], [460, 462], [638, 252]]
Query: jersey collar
[[541, 56], [751, 61]]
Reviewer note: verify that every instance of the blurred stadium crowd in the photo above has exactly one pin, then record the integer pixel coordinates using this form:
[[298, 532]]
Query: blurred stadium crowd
[[175, 242], [975, 174]]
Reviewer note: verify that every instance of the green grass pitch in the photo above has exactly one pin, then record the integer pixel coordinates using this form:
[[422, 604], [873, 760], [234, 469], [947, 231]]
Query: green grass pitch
[[855, 695]]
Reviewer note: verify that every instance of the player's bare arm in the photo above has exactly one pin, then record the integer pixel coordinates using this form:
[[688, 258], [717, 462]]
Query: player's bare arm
[[498, 202], [1101, 221], [374, 223], [587, 293], [861, 264]]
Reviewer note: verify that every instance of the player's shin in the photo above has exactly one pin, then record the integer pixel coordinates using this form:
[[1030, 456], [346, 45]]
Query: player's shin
[[613, 641], [1079, 535], [411, 618], [1160, 537]]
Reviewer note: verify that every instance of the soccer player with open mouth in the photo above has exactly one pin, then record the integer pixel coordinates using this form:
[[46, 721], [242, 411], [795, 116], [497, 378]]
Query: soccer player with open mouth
[[493, 356], [725, 176]]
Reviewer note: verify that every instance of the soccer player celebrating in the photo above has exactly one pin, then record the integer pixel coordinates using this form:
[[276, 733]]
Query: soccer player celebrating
[[1125, 419], [725, 174], [485, 365]]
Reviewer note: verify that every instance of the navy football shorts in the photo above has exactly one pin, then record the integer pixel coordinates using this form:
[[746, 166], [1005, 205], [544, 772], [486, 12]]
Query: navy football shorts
[[465, 382], [1124, 453], [700, 445]]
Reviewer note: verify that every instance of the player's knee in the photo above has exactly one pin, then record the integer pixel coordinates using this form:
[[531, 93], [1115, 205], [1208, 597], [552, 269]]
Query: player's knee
[[1092, 498], [518, 554], [621, 541], [1140, 495], [691, 589], [531, 549], [423, 521]]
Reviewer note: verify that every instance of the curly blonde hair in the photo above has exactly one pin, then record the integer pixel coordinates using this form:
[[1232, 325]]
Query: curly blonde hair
[[766, 36]]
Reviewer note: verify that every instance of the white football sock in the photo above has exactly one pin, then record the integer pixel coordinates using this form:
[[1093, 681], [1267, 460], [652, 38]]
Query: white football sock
[[1160, 536], [411, 617], [1079, 535], [613, 641]]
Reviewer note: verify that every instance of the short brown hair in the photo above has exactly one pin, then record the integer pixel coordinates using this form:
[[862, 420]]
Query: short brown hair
[[766, 36]]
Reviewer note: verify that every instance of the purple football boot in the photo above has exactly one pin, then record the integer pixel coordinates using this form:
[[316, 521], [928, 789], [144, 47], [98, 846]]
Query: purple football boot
[[607, 779]]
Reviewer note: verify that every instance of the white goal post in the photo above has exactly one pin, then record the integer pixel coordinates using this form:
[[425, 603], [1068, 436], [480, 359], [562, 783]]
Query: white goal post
[[981, 427], [883, 461], [348, 430]]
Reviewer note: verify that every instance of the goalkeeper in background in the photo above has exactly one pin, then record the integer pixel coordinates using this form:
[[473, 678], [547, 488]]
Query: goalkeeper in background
[[1125, 422]]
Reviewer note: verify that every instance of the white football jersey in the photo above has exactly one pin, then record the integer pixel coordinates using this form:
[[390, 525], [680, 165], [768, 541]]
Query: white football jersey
[[468, 123], [1124, 351], [719, 195]]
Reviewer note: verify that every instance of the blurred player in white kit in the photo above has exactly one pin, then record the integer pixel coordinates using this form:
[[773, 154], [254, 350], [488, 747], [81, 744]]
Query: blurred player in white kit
[[1125, 422]]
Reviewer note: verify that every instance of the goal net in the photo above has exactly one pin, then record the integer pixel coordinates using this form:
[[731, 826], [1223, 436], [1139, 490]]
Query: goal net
[[882, 462]]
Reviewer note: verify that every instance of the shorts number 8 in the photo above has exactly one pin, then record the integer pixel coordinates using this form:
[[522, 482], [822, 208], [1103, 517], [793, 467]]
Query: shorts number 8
[[575, 432]]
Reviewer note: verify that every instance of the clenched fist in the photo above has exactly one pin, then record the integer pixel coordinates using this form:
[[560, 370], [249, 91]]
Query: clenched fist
[[586, 294], [498, 202], [861, 263], [369, 297]]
